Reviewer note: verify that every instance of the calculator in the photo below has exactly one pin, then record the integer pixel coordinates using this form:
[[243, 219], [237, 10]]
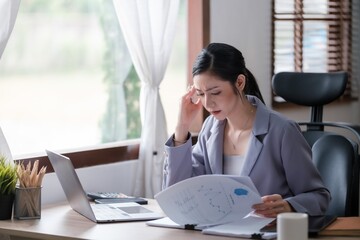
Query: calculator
[[121, 200], [105, 195]]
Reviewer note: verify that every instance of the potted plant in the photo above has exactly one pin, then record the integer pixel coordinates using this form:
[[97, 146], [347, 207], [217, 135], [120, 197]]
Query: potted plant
[[8, 180]]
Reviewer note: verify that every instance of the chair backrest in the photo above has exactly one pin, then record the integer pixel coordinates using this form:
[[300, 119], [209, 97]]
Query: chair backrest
[[310, 89], [316, 90], [334, 157]]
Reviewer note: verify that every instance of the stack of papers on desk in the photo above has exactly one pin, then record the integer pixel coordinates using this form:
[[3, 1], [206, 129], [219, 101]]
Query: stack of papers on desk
[[214, 204]]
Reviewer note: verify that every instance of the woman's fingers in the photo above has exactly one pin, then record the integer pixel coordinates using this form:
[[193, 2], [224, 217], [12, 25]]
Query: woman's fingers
[[191, 94], [190, 100], [272, 205], [189, 108]]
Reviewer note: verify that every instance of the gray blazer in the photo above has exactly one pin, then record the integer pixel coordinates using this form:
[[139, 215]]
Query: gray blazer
[[278, 160]]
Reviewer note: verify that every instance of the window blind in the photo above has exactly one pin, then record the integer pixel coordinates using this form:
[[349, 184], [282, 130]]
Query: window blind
[[313, 36]]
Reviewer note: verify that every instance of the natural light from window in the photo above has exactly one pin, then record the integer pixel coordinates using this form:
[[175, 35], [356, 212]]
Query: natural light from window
[[66, 78]]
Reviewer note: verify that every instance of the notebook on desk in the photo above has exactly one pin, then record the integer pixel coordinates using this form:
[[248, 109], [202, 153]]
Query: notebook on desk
[[79, 202]]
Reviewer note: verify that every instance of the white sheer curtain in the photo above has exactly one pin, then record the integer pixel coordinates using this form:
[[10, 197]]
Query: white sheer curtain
[[115, 118], [149, 27], [8, 13]]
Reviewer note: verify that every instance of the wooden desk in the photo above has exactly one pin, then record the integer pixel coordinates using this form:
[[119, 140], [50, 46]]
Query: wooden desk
[[61, 222]]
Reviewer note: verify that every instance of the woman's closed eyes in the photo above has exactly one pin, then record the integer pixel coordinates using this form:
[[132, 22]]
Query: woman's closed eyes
[[199, 94]]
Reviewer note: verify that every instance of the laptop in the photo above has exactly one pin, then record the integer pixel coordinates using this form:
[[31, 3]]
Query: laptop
[[100, 213]]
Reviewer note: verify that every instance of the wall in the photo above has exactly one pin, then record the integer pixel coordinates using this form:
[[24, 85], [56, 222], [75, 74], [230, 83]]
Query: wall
[[246, 24], [115, 177]]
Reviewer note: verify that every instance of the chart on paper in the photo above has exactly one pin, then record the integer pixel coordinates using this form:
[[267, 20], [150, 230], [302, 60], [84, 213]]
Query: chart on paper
[[209, 199]]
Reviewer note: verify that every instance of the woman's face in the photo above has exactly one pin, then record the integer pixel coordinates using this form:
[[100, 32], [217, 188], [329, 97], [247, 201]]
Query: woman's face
[[216, 95]]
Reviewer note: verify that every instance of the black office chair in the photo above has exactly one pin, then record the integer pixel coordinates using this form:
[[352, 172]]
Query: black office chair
[[334, 157], [316, 90]]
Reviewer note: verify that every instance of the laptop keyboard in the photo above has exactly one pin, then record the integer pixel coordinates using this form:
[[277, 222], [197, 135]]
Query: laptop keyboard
[[102, 211]]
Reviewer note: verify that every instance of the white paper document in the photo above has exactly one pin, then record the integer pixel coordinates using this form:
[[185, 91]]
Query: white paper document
[[215, 204], [248, 227]]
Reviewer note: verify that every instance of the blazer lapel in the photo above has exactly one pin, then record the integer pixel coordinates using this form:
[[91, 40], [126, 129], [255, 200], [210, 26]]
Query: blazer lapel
[[255, 147], [260, 129], [215, 147]]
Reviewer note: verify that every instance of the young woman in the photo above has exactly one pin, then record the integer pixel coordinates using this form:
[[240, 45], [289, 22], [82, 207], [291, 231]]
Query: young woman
[[243, 137]]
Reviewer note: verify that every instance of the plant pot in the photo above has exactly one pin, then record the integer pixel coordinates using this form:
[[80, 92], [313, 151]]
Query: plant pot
[[6, 206]]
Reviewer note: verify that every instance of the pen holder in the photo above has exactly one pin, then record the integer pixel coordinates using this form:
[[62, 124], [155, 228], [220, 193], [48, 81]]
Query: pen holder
[[27, 203]]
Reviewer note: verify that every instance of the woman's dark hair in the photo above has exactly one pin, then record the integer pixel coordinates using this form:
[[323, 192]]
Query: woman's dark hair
[[228, 63]]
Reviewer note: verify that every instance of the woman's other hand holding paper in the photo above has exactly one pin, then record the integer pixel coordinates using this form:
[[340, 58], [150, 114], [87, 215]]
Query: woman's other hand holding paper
[[272, 205]]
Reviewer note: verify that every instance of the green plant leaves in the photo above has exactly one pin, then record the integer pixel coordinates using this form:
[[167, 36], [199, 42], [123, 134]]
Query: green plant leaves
[[8, 177]]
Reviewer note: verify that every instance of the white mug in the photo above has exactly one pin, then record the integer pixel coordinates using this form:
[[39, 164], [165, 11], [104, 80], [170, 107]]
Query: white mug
[[292, 226]]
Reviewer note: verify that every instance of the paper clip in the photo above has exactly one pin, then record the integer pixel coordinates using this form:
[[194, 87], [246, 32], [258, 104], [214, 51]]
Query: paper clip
[[257, 235], [190, 226]]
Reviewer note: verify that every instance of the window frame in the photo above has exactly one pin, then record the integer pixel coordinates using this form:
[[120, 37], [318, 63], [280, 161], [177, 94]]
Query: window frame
[[343, 21]]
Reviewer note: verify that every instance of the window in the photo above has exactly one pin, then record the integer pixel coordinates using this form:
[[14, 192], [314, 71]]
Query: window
[[313, 36], [174, 83], [61, 85]]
